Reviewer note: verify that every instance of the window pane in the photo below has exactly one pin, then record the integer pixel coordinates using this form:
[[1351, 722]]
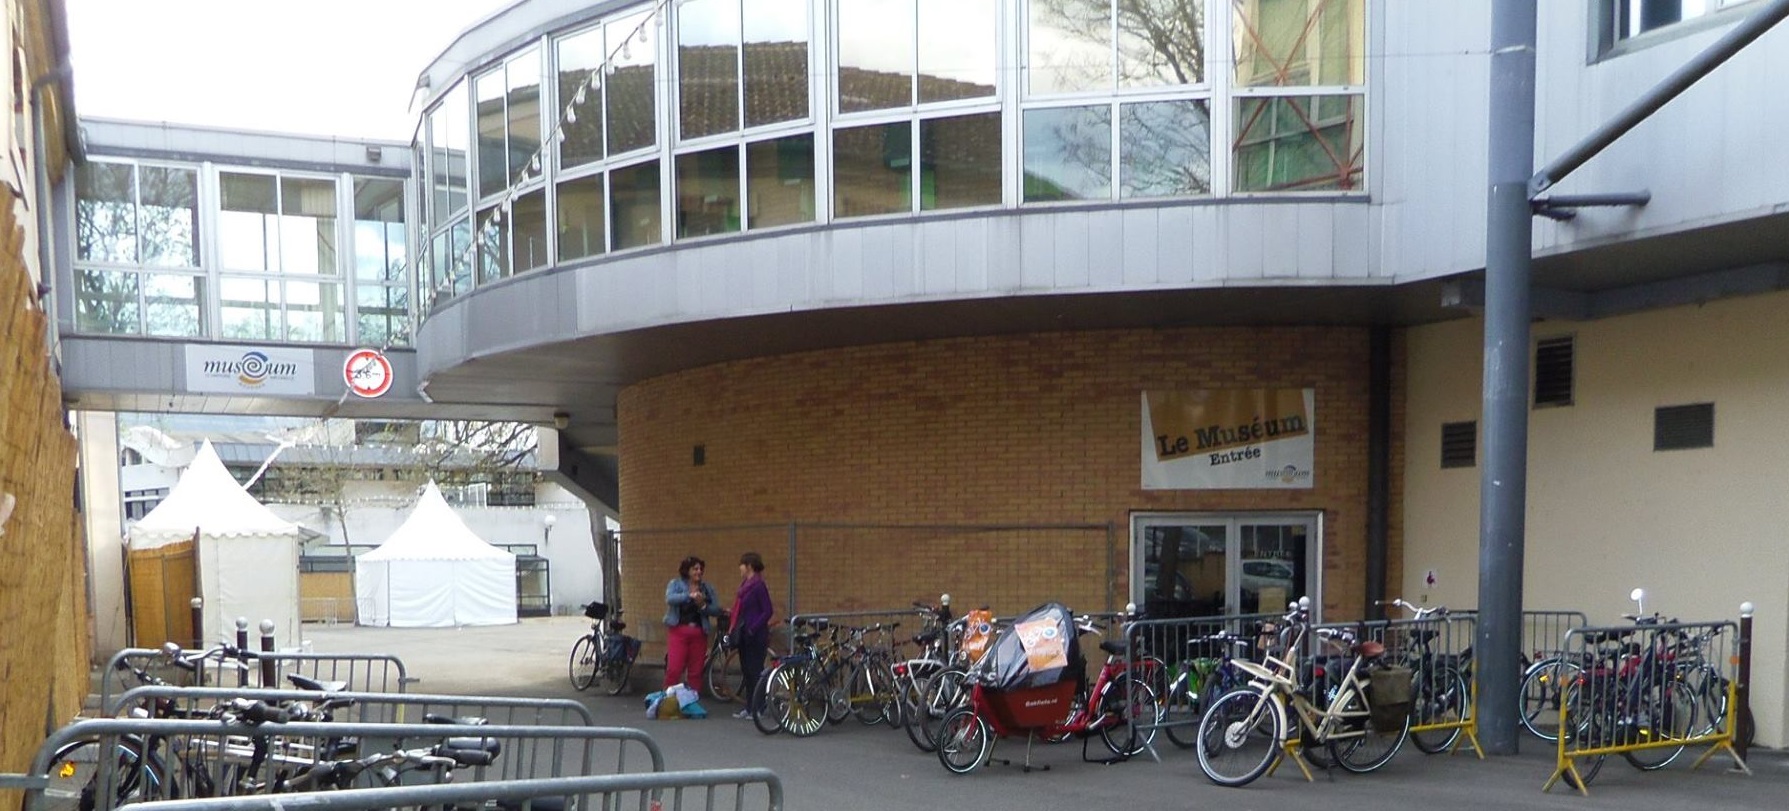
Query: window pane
[[633, 47], [450, 152], [708, 192], [440, 286], [581, 218], [1164, 149], [460, 243], [582, 132], [1298, 143], [961, 158], [249, 308], [493, 248], [1068, 153], [776, 61], [379, 230], [875, 54], [169, 216], [380, 315], [248, 222], [1070, 46], [780, 181], [870, 168], [106, 302], [957, 49], [524, 112], [314, 312], [171, 304], [708, 66], [633, 205], [106, 213], [1161, 42], [307, 229], [528, 221], [493, 171], [1299, 42]]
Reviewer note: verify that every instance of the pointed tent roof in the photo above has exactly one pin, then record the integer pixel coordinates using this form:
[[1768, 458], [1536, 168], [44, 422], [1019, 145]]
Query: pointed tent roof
[[209, 499], [434, 532]]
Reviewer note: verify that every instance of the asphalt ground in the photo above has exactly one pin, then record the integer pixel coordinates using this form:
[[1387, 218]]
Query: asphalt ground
[[851, 767]]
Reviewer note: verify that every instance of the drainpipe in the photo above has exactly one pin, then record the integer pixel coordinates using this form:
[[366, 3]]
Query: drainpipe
[[62, 76]]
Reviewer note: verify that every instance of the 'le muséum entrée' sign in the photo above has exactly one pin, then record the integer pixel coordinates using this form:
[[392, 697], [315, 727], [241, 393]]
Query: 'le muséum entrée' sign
[[1210, 439]]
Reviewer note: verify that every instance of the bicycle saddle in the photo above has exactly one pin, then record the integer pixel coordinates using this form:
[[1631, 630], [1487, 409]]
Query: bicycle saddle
[[1600, 637], [1369, 649], [1116, 647]]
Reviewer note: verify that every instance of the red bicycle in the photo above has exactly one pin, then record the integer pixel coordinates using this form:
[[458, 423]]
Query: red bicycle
[[1032, 683]]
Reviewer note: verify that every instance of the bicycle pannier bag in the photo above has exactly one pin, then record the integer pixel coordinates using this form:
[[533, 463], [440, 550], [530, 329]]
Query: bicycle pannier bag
[[1389, 693]]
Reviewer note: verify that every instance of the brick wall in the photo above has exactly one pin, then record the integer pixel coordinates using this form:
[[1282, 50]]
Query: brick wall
[[1040, 429], [43, 615]]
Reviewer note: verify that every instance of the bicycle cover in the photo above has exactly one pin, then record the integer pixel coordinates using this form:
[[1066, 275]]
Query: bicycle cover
[[1037, 650]]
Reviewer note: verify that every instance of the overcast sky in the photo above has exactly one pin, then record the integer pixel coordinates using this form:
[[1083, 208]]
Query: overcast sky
[[321, 67]]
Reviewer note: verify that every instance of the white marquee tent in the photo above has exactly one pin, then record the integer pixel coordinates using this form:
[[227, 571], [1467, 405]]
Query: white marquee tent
[[433, 572], [247, 557]]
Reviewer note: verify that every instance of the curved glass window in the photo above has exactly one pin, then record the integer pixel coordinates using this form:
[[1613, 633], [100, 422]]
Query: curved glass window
[[776, 61], [634, 217], [448, 163], [1164, 149], [708, 36], [780, 181], [528, 232], [959, 161], [581, 219], [581, 98], [1082, 46], [875, 54], [493, 177], [631, 43], [959, 44], [1161, 42], [872, 169], [1299, 143], [1068, 153], [708, 192]]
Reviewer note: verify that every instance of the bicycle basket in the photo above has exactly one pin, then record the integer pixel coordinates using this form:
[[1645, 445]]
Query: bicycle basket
[[596, 610]]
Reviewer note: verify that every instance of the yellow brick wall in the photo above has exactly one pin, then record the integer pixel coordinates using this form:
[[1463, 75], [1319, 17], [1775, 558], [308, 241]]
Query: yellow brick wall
[[43, 611], [1038, 429]]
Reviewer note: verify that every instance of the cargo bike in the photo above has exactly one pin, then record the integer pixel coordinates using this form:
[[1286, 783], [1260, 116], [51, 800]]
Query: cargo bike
[[1032, 682]]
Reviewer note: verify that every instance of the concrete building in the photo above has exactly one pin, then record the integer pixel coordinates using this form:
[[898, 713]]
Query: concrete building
[[1072, 299]]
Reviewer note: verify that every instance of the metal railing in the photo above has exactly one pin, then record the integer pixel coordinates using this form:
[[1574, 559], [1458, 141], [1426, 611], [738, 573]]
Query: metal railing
[[710, 790], [364, 707], [1648, 691], [364, 672], [156, 758]]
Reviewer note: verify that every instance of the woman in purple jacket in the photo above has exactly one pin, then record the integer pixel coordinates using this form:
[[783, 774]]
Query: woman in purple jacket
[[751, 626]]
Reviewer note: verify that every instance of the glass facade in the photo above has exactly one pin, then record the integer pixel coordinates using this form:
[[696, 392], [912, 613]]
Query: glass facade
[[276, 260], [706, 118]]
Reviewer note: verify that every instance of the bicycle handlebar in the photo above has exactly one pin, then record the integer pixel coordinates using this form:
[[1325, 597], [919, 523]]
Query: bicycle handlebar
[[1418, 612]]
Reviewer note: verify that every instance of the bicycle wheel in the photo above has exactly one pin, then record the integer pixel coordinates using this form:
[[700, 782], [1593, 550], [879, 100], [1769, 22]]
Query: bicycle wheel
[[1543, 690], [808, 700], [1376, 744], [76, 776], [836, 688], [724, 675], [938, 695], [871, 692], [771, 706], [619, 674], [583, 663], [1134, 704], [1181, 705], [1440, 697], [1239, 737], [1664, 714], [964, 740], [1593, 734]]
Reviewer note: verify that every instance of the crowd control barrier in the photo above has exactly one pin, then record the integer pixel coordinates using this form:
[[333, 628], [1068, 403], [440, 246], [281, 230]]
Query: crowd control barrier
[[709, 790]]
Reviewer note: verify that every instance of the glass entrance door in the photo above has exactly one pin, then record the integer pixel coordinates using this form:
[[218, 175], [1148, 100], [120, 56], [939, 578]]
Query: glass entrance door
[[1193, 565]]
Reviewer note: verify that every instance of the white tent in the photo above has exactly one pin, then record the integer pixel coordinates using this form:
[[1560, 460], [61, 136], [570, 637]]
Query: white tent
[[247, 557], [433, 572]]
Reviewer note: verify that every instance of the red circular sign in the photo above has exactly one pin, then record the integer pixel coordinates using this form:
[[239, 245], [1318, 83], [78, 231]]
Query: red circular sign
[[367, 372]]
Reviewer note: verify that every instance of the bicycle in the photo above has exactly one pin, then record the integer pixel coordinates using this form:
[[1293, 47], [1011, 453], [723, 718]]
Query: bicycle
[[806, 689], [1441, 693], [1257, 715], [605, 654], [1198, 681], [1631, 693], [1028, 682]]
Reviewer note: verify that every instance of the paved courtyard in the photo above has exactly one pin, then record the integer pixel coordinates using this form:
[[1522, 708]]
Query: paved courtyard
[[850, 766]]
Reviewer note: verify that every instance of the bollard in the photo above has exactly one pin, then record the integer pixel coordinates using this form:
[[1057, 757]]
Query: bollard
[[1741, 709], [241, 645], [198, 604], [269, 679]]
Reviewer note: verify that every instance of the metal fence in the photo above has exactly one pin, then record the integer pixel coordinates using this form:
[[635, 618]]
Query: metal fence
[[363, 672], [710, 790], [362, 707], [1189, 665], [1647, 692], [149, 759]]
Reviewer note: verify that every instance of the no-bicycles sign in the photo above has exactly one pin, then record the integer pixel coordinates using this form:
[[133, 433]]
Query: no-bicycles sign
[[367, 372]]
